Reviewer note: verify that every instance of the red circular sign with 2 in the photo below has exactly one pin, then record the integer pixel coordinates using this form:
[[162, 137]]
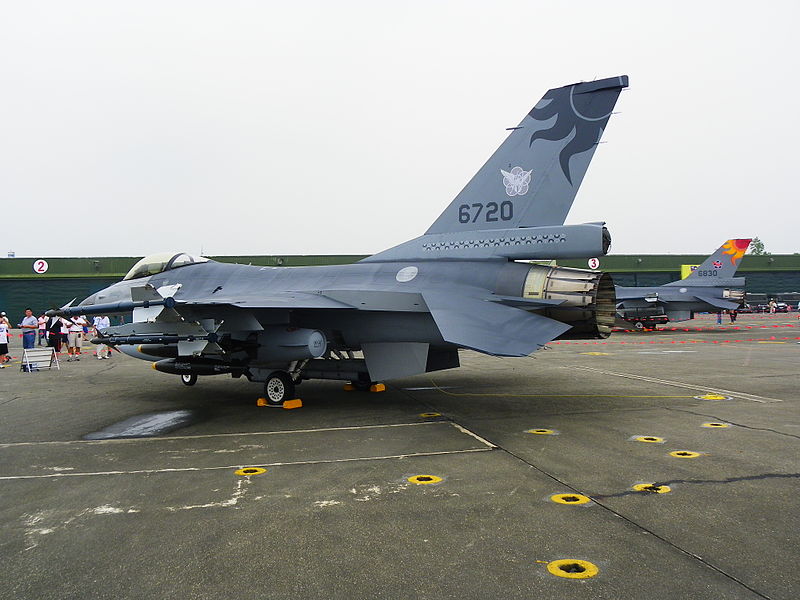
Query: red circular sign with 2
[[40, 266]]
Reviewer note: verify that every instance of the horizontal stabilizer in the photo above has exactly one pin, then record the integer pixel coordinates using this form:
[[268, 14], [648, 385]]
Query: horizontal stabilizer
[[489, 327], [718, 302], [524, 303]]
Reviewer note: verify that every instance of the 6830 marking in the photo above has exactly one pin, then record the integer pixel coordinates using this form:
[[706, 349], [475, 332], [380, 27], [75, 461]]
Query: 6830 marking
[[494, 212]]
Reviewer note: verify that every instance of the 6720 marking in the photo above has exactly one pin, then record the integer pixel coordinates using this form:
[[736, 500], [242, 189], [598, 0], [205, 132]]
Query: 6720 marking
[[494, 212]]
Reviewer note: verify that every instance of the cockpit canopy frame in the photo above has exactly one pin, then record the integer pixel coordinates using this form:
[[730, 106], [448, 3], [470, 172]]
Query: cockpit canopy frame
[[160, 262]]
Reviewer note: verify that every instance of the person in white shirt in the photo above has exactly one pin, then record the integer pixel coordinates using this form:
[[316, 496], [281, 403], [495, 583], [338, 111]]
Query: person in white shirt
[[65, 323], [74, 337], [101, 322], [42, 329], [4, 333]]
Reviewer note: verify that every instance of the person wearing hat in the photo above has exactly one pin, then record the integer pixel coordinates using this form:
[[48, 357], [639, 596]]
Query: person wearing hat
[[4, 319]]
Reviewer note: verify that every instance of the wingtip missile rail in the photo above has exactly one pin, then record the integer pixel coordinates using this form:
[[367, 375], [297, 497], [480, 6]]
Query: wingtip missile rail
[[109, 308]]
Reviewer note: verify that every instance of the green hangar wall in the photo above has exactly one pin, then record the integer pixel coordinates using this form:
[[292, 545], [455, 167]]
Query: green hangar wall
[[67, 278]]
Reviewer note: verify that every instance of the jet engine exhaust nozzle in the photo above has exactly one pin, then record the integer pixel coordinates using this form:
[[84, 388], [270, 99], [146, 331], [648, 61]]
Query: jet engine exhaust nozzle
[[588, 300]]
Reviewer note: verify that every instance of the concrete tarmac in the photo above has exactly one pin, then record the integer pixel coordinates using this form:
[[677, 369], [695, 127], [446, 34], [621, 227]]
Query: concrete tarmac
[[120, 482]]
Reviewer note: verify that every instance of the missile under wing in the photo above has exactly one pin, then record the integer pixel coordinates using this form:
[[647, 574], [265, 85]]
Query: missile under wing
[[408, 309]]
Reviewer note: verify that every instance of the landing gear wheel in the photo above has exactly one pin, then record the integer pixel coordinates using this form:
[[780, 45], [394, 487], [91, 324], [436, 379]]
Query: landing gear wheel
[[362, 386], [189, 379], [278, 387], [639, 325]]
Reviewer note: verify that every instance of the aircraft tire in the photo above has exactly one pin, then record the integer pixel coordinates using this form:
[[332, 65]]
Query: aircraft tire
[[639, 325], [189, 379], [278, 387]]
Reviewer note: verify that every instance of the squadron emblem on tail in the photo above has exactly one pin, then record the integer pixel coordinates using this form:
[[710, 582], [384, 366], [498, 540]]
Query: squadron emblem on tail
[[516, 181]]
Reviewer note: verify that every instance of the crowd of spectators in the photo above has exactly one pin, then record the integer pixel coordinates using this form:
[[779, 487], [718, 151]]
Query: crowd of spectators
[[59, 333]]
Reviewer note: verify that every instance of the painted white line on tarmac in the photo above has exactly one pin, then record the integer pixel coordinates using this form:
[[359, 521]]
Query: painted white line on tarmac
[[475, 435], [665, 351], [680, 384], [219, 435], [430, 387], [239, 466]]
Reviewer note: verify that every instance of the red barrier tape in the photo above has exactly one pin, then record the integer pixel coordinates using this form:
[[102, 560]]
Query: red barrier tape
[[737, 327], [769, 339]]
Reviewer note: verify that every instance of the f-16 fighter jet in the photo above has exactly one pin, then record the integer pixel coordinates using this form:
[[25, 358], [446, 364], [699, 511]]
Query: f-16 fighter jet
[[408, 309], [707, 289]]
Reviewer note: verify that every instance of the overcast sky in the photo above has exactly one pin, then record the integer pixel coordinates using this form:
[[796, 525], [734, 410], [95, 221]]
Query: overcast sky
[[234, 127]]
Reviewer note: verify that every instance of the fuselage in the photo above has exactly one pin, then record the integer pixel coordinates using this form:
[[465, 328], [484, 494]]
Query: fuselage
[[671, 298], [385, 300]]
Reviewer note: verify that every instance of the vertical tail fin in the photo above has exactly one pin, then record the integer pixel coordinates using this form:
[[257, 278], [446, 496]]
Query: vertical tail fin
[[723, 264], [532, 178]]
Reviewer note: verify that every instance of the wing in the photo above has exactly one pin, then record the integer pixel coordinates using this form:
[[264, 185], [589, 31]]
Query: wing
[[272, 300], [717, 302]]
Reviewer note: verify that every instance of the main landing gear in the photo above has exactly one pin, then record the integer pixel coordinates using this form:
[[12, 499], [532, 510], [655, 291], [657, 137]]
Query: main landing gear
[[278, 387]]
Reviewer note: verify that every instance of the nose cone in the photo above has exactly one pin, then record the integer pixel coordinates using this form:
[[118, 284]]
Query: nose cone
[[91, 300], [117, 292]]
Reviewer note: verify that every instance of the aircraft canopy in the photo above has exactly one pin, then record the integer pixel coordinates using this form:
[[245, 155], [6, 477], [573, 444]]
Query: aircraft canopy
[[163, 261]]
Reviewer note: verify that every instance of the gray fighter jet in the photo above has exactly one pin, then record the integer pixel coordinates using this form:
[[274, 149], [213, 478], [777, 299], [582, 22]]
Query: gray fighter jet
[[408, 309], [711, 287]]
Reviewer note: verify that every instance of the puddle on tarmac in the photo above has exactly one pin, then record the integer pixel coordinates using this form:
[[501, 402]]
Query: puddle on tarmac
[[146, 425]]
